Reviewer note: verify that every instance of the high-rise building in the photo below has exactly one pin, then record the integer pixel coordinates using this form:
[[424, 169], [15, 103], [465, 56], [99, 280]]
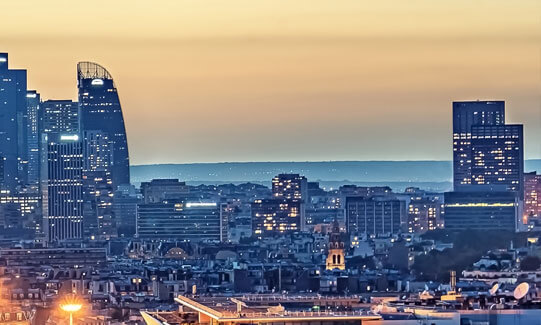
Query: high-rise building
[[33, 136], [20, 210], [100, 110], [60, 116], [532, 197], [62, 187], [290, 187], [497, 153], [192, 221], [424, 214], [12, 112], [125, 203], [377, 215], [98, 192], [272, 217], [467, 114], [482, 207], [158, 190]]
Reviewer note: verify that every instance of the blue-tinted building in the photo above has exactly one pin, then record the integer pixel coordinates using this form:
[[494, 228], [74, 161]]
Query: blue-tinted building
[[62, 186], [191, 221], [498, 156], [33, 136], [100, 110], [482, 207], [12, 111], [467, 114]]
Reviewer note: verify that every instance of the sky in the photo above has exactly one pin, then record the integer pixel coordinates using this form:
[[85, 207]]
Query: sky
[[287, 80]]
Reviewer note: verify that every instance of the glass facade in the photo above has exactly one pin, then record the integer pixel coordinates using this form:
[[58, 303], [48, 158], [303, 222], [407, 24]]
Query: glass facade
[[100, 110]]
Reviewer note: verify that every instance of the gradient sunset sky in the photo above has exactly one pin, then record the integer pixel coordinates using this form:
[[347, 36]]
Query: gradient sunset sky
[[257, 80]]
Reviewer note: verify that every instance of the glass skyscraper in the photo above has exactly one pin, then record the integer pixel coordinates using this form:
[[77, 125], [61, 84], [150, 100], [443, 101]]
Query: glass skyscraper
[[100, 110], [466, 115], [12, 110], [33, 135]]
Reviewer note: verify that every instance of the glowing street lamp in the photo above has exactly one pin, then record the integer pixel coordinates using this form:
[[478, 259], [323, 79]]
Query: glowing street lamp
[[71, 306]]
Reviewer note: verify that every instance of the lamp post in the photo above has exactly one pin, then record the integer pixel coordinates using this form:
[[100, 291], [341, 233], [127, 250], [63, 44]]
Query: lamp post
[[71, 307]]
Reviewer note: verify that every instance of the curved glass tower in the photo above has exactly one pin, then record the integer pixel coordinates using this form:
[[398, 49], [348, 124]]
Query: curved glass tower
[[101, 111]]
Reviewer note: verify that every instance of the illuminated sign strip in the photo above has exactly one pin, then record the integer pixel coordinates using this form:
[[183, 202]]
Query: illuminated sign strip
[[479, 205]]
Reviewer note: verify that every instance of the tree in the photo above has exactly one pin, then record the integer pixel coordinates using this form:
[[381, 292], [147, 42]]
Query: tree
[[530, 263]]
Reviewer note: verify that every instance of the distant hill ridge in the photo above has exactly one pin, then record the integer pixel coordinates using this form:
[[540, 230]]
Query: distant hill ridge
[[426, 171]]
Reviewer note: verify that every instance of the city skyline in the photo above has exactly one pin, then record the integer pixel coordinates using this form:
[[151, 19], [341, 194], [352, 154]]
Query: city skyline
[[295, 84]]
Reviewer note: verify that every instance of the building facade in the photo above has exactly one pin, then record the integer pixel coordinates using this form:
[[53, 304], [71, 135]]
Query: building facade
[[532, 197], [12, 119], [498, 156], [100, 110], [482, 208], [271, 217], [190, 221], [62, 187], [467, 114], [372, 216]]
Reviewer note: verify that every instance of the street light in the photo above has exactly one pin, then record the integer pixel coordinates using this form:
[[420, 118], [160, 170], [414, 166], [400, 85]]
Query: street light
[[71, 306]]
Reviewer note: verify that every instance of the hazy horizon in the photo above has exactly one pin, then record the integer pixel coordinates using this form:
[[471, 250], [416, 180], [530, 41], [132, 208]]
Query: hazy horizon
[[288, 81]]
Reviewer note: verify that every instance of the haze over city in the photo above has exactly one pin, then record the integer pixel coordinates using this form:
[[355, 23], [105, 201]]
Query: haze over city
[[211, 81]]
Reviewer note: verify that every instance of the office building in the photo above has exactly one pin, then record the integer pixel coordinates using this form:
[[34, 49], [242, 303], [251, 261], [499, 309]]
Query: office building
[[467, 114], [373, 216], [498, 156], [158, 190], [191, 221], [33, 103], [271, 217], [76, 257], [60, 116], [100, 110], [125, 210], [20, 210], [62, 187], [482, 208], [12, 112], [290, 187], [98, 192], [532, 197], [424, 214]]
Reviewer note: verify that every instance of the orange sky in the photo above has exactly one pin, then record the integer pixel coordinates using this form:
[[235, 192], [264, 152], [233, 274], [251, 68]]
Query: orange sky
[[275, 80]]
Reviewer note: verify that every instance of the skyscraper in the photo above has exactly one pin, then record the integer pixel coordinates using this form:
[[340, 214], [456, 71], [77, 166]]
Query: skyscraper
[[100, 110], [532, 197], [12, 111], [33, 135], [272, 217], [466, 115], [60, 116], [62, 187], [497, 153], [99, 219]]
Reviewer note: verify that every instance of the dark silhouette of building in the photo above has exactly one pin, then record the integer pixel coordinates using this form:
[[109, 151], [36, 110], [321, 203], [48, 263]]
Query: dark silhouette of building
[[467, 114], [482, 207], [12, 121], [100, 110]]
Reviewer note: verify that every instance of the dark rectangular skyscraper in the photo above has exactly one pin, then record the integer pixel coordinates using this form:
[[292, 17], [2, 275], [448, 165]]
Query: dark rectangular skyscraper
[[62, 187], [466, 115], [33, 135], [12, 110], [498, 156]]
